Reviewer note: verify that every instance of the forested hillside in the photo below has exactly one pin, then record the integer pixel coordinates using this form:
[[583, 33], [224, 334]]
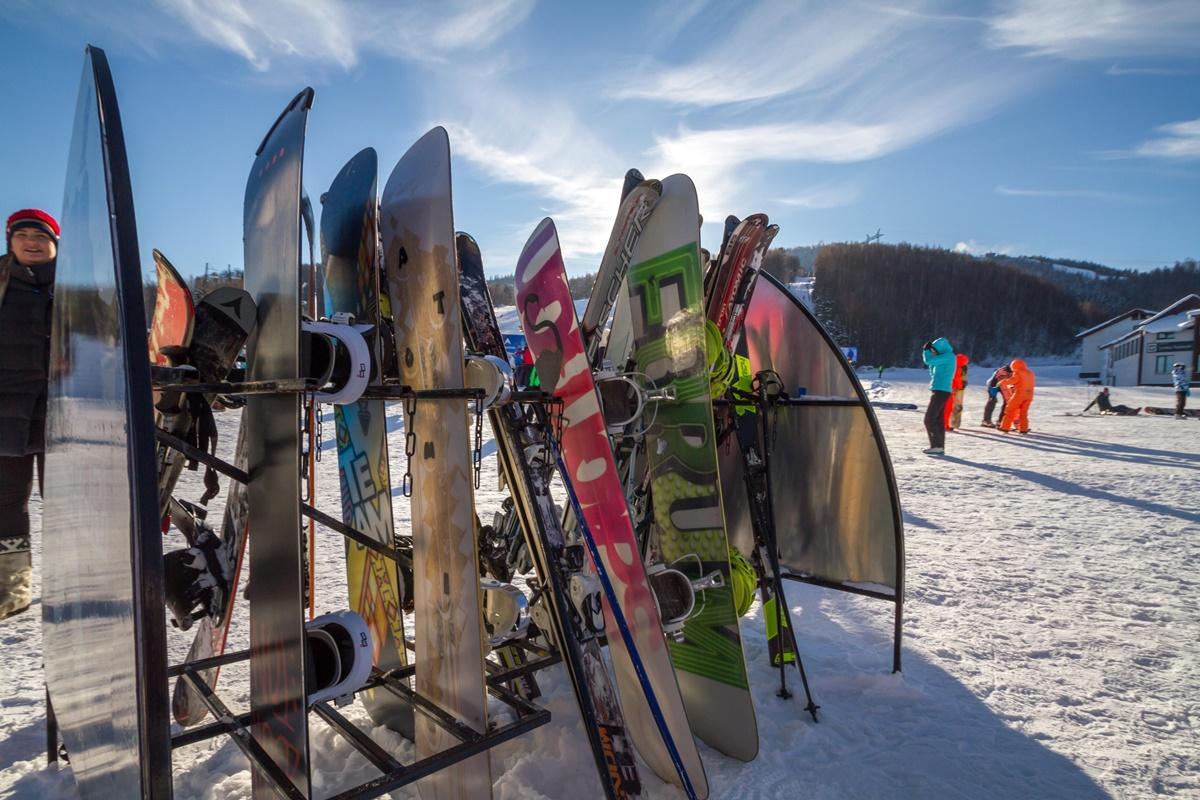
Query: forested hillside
[[888, 300]]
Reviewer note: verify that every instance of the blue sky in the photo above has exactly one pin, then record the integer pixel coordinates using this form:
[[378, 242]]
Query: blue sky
[[1059, 127]]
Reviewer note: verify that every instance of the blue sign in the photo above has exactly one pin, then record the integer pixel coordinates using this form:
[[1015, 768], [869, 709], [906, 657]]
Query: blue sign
[[513, 342]]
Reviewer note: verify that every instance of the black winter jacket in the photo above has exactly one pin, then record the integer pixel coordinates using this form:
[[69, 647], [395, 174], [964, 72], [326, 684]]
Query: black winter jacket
[[26, 295]]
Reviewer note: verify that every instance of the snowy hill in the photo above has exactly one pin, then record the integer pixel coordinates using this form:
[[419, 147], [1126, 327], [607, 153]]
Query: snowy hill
[[1050, 626]]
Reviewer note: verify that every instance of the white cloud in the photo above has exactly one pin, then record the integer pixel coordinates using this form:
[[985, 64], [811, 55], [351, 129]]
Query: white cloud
[[819, 197], [1076, 194], [1181, 141], [561, 159], [1118, 70], [337, 32], [775, 48], [1083, 29]]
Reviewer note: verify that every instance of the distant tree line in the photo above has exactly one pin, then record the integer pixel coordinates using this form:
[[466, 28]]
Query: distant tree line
[[887, 300]]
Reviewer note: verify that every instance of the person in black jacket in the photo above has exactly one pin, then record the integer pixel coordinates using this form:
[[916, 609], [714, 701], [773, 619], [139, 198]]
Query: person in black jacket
[[1106, 407], [26, 294]]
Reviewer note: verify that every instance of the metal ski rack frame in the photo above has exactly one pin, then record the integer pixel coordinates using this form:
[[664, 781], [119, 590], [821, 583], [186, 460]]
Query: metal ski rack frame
[[758, 490], [394, 774], [896, 599]]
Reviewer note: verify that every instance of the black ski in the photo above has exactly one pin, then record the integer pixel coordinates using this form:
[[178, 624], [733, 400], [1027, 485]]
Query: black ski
[[519, 436]]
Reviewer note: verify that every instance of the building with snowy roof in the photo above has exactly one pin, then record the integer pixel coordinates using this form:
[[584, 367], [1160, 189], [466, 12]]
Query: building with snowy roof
[[1093, 359], [1144, 355]]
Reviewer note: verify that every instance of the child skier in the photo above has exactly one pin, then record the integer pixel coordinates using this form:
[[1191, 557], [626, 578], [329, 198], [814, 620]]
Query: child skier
[[1179, 378], [1003, 372], [938, 355], [1019, 391]]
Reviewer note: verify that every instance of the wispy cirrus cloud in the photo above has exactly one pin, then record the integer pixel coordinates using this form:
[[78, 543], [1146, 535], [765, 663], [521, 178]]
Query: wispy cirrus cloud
[[322, 33], [1180, 140], [821, 197], [1118, 70], [1074, 194], [1086, 29]]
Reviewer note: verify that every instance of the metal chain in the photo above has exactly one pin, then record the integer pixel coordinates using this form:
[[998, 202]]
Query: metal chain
[[410, 443], [477, 454], [320, 432]]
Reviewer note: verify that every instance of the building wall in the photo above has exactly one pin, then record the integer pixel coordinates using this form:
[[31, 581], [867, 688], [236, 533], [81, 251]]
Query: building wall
[[1122, 364], [1093, 359], [1160, 350]]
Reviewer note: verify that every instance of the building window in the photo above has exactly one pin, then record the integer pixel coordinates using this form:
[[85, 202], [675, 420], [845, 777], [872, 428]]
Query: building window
[[1158, 337], [1162, 365]]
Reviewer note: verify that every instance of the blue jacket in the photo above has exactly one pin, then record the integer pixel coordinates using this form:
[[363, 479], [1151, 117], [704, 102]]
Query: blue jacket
[[1179, 377], [941, 363]]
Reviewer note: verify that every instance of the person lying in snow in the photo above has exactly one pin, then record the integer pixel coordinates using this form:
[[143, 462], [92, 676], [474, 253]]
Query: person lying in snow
[[1106, 407]]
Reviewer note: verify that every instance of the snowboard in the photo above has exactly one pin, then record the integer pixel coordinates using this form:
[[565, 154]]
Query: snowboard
[[416, 220], [650, 698], [666, 292], [103, 623], [174, 311], [272, 447], [170, 335], [1170, 412], [349, 220], [519, 432], [213, 631]]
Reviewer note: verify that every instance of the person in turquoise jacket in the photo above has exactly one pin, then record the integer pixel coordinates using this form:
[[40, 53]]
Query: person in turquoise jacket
[[939, 356]]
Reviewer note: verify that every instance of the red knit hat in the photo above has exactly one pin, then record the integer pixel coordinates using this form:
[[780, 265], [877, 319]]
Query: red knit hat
[[32, 218]]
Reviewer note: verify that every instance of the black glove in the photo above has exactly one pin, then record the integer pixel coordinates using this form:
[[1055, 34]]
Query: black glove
[[928, 346]]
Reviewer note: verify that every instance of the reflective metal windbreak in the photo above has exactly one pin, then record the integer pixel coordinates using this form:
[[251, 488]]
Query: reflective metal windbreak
[[102, 609], [837, 508]]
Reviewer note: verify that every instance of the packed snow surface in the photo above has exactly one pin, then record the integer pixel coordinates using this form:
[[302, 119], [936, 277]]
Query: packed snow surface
[[1050, 649]]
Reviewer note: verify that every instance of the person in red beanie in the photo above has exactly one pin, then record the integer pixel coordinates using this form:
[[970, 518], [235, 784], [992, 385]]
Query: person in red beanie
[[26, 295]]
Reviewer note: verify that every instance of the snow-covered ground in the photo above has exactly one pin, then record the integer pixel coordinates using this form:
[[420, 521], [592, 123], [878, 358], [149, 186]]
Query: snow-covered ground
[[1052, 635]]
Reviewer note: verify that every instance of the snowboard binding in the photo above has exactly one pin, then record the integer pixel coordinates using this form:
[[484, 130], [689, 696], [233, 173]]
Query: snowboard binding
[[335, 355], [675, 592], [197, 578], [337, 657], [505, 611]]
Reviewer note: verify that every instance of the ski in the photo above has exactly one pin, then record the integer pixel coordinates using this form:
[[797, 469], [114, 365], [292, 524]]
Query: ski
[[654, 711], [520, 432], [349, 231], [638, 198], [666, 304], [417, 223], [273, 454]]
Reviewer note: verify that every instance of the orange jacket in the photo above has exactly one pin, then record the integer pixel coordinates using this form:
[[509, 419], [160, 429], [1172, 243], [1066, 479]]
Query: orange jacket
[[960, 371], [1020, 385]]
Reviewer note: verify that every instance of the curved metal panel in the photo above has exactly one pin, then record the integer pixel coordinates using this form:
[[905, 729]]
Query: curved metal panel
[[837, 509]]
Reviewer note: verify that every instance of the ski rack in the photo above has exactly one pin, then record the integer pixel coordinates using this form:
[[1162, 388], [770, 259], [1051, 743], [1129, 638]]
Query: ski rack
[[393, 774], [814, 401], [758, 493]]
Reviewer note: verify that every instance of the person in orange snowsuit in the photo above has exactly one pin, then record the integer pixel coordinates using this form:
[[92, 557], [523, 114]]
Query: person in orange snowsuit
[[959, 387], [1019, 391]]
